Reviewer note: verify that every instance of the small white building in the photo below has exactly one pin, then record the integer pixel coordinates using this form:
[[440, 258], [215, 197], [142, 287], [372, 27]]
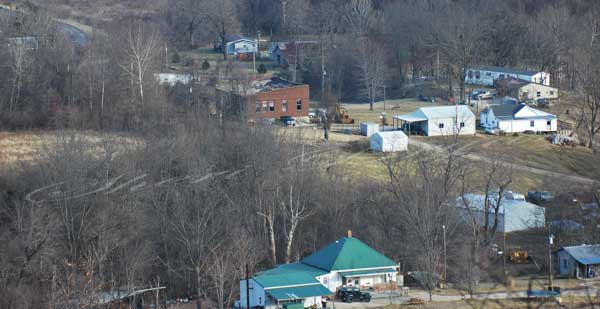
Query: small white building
[[389, 141], [172, 79], [511, 118], [368, 128], [487, 75], [345, 262], [240, 45], [525, 90], [513, 215], [438, 121]]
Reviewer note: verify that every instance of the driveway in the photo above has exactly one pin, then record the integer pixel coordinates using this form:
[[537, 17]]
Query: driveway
[[476, 157]]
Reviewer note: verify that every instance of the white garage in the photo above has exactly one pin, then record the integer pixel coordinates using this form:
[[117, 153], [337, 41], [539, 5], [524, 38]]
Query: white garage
[[389, 141], [437, 121]]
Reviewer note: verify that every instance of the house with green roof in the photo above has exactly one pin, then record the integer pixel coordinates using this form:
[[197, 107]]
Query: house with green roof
[[345, 262]]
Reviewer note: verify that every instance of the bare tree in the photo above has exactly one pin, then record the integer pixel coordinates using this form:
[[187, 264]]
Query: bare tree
[[372, 67], [222, 20]]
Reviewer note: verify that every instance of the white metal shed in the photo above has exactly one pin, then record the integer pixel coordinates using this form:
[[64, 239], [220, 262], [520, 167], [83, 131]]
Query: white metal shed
[[389, 141]]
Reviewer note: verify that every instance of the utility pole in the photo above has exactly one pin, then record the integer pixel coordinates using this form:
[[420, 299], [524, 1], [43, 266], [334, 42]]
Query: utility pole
[[437, 74], [550, 241], [322, 75], [384, 86], [258, 45], [247, 287], [445, 265], [283, 3]]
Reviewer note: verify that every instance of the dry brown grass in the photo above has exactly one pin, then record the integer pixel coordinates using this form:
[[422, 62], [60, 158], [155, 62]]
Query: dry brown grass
[[23, 147], [361, 113]]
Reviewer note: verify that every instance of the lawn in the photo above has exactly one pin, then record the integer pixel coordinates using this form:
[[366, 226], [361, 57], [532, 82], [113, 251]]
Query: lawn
[[361, 113]]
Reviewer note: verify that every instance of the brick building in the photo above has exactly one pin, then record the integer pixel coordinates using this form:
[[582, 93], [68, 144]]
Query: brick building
[[276, 97]]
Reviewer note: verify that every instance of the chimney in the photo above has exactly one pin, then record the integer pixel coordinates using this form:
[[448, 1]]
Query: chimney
[[349, 233]]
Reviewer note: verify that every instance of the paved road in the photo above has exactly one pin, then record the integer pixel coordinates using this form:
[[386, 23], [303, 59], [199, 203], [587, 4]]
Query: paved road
[[538, 171]]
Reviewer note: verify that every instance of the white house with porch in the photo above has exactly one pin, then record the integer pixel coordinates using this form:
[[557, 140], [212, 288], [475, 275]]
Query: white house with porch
[[511, 118], [345, 262], [437, 121]]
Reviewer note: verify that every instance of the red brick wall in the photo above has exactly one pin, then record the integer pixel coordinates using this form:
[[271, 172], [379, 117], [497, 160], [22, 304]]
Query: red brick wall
[[277, 96]]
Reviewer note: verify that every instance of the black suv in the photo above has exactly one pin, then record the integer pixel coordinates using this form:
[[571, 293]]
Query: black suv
[[350, 294]]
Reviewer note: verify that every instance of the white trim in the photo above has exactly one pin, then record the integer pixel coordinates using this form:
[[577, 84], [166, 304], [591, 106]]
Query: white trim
[[369, 268], [291, 286]]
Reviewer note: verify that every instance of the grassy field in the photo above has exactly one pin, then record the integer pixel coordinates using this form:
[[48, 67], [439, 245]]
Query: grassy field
[[361, 113], [568, 302]]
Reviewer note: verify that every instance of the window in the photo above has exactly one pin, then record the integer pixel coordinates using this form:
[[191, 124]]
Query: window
[[356, 281], [470, 74], [462, 124], [284, 105], [265, 107], [258, 107], [565, 263], [502, 76], [477, 74], [532, 123], [548, 123], [271, 106], [538, 94], [441, 125], [325, 280], [260, 300], [299, 104], [488, 74], [551, 92]]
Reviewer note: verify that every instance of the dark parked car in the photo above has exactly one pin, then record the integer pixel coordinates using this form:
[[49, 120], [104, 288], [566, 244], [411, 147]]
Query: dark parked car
[[540, 196], [423, 98], [288, 121], [350, 294]]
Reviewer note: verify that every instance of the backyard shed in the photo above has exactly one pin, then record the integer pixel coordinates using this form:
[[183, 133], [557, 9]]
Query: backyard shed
[[389, 141], [368, 128], [579, 261]]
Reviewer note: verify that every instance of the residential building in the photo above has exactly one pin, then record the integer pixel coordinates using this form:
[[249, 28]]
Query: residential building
[[277, 53], [525, 90], [579, 261], [487, 75], [345, 262], [513, 215], [512, 118], [238, 45], [437, 120]]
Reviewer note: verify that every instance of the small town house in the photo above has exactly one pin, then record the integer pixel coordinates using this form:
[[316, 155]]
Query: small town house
[[579, 261], [487, 75], [437, 120], [511, 118]]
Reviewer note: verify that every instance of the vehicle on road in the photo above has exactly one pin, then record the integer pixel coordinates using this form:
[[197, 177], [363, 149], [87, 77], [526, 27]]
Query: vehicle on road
[[540, 196], [288, 121], [351, 294], [424, 98]]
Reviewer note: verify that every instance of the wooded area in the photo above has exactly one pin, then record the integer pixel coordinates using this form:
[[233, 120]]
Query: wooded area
[[197, 197]]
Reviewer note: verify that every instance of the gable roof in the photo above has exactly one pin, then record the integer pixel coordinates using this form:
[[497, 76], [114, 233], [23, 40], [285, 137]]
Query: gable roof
[[234, 38], [505, 70], [585, 254], [345, 254], [436, 112], [288, 275], [506, 110]]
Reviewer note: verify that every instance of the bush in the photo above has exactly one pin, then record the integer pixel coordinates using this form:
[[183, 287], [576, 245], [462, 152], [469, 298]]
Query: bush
[[515, 134], [205, 65], [262, 69], [188, 61], [175, 58]]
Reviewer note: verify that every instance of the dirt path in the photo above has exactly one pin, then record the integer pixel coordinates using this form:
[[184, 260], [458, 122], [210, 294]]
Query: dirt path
[[538, 171]]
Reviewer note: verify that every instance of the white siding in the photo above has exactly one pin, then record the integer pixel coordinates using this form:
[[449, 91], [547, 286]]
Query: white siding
[[389, 141], [535, 91], [522, 125], [486, 78], [566, 264], [450, 127]]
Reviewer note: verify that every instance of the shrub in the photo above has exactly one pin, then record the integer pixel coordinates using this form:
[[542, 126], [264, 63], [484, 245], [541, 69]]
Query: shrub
[[205, 65], [262, 69], [175, 58]]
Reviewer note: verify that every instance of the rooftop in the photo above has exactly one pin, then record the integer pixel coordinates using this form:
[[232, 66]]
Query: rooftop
[[584, 254], [437, 112], [505, 70], [510, 110], [347, 253], [288, 275]]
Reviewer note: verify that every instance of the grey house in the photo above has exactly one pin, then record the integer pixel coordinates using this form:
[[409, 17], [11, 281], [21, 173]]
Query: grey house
[[579, 261]]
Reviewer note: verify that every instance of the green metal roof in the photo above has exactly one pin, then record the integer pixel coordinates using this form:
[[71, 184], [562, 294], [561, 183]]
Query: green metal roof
[[298, 292], [287, 275], [357, 273], [347, 253]]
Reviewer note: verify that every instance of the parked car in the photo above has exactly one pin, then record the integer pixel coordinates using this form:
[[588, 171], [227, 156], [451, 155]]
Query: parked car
[[350, 294], [541, 102], [423, 98], [482, 95], [288, 121], [491, 131], [540, 196]]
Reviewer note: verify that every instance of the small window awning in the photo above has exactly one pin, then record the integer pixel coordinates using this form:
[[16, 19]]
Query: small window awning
[[410, 118], [360, 273], [298, 292]]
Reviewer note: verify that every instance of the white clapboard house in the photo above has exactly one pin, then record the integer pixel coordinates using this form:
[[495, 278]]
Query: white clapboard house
[[511, 118]]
